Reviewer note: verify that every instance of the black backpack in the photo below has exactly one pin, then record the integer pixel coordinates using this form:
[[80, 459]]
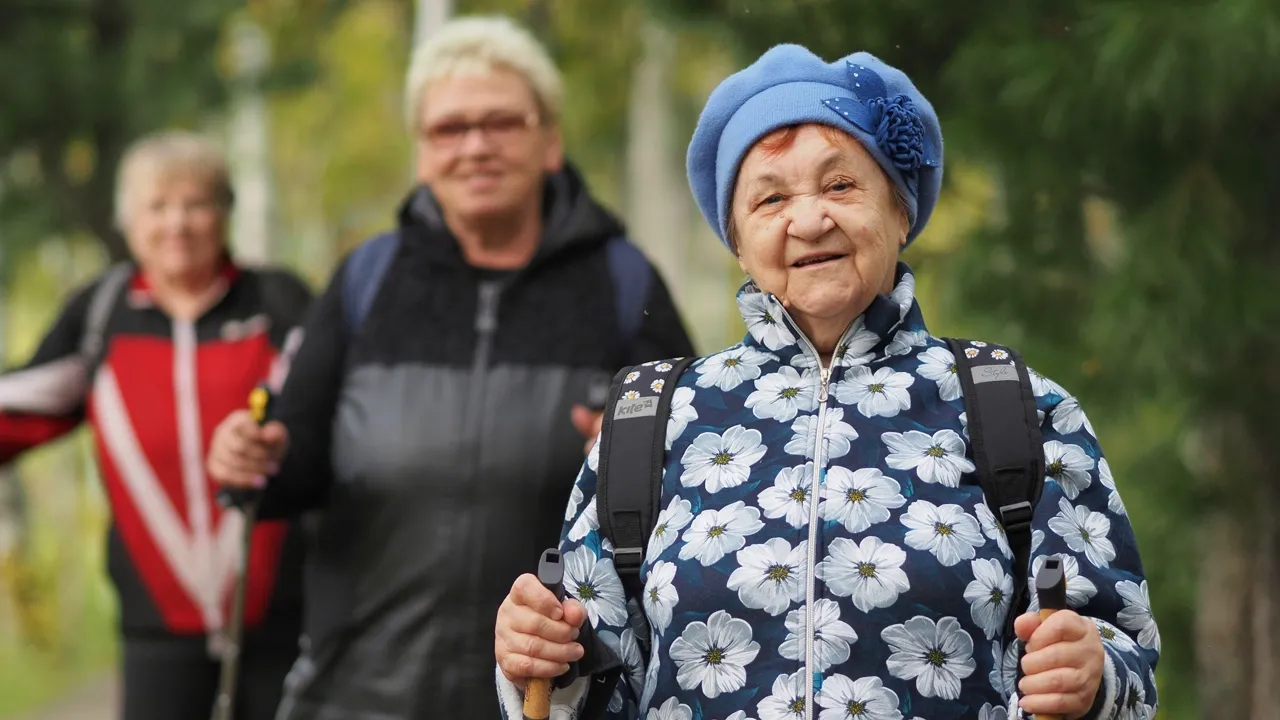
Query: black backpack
[[1004, 432]]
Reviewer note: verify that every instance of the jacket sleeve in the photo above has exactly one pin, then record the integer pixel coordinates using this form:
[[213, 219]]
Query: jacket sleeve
[[309, 374], [612, 657], [662, 332], [1082, 518], [45, 398], [286, 299]]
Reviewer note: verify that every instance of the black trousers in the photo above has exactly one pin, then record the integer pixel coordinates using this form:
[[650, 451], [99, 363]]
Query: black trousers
[[173, 678]]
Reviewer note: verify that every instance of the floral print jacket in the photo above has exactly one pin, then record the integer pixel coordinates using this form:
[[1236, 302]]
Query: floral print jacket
[[826, 552]]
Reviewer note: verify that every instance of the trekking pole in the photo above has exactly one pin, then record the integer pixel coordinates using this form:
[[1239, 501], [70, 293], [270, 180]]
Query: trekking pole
[[537, 691], [1051, 591], [247, 500]]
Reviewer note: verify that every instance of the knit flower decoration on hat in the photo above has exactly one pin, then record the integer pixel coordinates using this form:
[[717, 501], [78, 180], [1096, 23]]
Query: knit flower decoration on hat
[[894, 122]]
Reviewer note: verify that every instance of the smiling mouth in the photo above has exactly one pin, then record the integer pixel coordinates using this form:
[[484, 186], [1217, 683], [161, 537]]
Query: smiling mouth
[[816, 260]]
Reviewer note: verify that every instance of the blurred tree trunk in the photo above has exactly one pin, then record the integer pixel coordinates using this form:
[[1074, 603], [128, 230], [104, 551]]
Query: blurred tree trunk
[[253, 226], [656, 196]]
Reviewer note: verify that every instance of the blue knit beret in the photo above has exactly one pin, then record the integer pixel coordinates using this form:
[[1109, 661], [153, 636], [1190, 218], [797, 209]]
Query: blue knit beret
[[789, 85]]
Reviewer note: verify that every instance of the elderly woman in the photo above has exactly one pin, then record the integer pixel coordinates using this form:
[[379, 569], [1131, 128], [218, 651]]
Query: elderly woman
[[153, 353], [826, 549]]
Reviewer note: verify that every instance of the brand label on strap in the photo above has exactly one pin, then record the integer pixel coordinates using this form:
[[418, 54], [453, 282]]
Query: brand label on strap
[[994, 373], [635, 407]]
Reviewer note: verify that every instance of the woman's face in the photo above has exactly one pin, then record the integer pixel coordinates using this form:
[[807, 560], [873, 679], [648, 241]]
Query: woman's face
[[817, 224], [176, 226]]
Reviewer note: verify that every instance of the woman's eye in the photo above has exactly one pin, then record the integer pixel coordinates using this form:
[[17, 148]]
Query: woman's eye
[[773, 199], [841, 186]]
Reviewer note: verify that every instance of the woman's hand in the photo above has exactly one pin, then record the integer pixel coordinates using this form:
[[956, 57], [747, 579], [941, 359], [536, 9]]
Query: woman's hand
[[1062, 666], [242, 453], [535, 634]]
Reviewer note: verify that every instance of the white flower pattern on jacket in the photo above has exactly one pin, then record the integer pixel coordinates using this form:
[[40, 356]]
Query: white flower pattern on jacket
[[823, 559]]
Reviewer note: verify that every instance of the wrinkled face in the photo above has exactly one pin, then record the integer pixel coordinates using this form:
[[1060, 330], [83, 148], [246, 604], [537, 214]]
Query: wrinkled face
[[816, 223], [482, 144], [175, 225]]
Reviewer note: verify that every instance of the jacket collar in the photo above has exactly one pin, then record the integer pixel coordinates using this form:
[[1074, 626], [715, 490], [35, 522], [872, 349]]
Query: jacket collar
[[890, 325]]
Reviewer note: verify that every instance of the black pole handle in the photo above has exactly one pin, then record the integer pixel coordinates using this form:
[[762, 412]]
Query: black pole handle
[[537, 692]]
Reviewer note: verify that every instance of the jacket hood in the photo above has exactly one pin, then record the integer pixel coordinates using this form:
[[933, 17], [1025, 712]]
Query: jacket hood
[[571, 215]]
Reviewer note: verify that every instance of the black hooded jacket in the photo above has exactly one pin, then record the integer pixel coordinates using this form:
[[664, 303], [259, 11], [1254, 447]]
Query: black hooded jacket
[[436, 442]]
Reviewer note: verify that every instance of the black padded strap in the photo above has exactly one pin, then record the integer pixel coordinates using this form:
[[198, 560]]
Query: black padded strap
[[1004, 432]]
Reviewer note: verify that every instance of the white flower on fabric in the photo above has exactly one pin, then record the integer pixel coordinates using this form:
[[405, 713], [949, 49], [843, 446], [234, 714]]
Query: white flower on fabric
[[631, 377], [1133, 706], [651, 680], [1080, 589], [588, 521], [904, 294], [787, 700], [631, 395], [664, 367], [593, 456], [1114, 636], [964, 425], [939, 365], [1069, 466], [1037, 538], [971, 353], [657, 385], [770, 576], [1004, 669], [837, 435], [869, 572], [1136, 616], [863, 699], [681, 414], [789, 496], [999, 354], [948, 531], [989, 595], [629, 652], [714, 654], [782, 395], [667, 526], [575, 497], [729, 369], [1114, 502], [937, 459], [740, 715], [855, 348], [764, 322], [992, 528], [937, 656], [718, 532], [672, 709], [978, 343], [721, 461], [660, 596], [1069, 418], [904, 340], [1085, 532], [1041, 385], [832, 637], [882, 393], [859, 499], [993, 712], [595, 584]]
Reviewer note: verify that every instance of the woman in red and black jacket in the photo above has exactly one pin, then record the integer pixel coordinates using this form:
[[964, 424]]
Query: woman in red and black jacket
[[153, 354]]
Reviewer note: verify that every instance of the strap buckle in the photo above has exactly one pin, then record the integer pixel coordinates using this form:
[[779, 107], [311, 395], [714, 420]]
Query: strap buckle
[[1016, 517], [627, 560]]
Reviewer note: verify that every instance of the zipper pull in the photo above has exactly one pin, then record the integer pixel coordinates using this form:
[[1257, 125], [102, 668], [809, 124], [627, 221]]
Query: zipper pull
[[822, 386]]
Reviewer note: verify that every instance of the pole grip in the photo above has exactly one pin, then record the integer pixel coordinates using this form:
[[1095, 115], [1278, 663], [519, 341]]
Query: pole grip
[[260, 400], [1051, 592], [537, 692]]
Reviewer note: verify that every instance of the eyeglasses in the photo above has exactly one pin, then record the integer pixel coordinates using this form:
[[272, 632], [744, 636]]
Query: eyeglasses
[[497, 127]]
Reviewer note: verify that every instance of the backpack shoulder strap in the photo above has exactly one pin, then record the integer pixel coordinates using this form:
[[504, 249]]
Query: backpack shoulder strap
[[1008, 450], [632, 277], [98, 313], [362, 276], [633, 445]]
